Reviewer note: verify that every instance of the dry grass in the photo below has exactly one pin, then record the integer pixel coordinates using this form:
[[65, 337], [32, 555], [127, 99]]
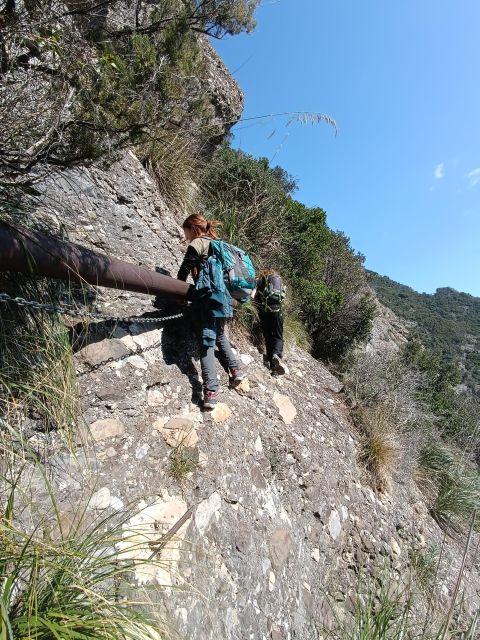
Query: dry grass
[[295, 333], [173, 160], [37, 374], [394, 425], [380, 445]]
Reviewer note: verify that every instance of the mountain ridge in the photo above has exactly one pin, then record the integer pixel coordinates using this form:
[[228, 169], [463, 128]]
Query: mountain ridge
[[447, 322]]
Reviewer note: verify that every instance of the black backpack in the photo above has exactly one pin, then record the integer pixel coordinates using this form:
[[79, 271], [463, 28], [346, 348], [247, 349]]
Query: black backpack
[[273, 293]]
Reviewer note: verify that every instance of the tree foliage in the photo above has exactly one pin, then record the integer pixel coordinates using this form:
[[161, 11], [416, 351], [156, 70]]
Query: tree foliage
[[447, 323], [458, 415], [81, 78]]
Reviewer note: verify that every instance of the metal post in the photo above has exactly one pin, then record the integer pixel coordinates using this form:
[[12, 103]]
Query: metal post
[[31, 252]]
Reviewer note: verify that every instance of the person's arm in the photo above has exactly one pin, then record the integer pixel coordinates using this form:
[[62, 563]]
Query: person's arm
[[190, 261]]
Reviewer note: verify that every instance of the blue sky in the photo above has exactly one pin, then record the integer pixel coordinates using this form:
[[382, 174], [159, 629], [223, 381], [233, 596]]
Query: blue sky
[[402, 177]]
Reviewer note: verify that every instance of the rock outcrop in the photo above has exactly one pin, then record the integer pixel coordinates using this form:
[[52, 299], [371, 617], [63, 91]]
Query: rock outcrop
[[283, 523], [388, 333]]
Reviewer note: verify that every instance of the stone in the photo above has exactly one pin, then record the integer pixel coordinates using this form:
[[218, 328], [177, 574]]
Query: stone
[[116, 503], [150, 522], [206, 510], [138, 362], [243, 540], [109, 393], [155, 397], [316, 554], [285, 407], [179, 432], [246, 359], [244, 387], [129, 342], [334, 524], [159, 424], [202, 459], [258, 445], [100, 500], [142, 451], [280, 544], [99, 352], [107, 428], [147, 339], [395, 547], [221, 413], [257, 478], [271, 581]]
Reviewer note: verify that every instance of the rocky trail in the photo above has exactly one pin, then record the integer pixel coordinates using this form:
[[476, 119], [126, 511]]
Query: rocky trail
[[284, 525]]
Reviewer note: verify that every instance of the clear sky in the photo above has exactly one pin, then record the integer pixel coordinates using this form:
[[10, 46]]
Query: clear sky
[[402, 177]]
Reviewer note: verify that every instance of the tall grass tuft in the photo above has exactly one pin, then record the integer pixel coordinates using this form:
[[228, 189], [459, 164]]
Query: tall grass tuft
[[380, 444], [384, 611], [451, 485], [37, 372], [65, 585], [172, 158]]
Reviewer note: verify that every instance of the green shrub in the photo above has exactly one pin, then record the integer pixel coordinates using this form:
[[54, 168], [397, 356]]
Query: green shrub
[[458, 415], [249, 198]]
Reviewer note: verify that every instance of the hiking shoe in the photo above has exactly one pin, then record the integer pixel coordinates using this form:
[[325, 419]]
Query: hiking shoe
[[277, 366], [236, 376], [210, 399]]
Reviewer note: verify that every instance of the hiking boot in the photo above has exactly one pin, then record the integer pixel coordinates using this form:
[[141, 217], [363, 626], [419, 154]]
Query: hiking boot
[[210, 399], [236, 376], [278, 367]]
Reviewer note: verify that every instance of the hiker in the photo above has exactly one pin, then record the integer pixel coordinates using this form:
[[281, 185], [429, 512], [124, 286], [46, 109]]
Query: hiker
[[212, 304], [269, 297]]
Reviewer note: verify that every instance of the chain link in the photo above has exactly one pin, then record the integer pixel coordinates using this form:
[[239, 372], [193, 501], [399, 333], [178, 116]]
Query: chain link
[[70, 310]]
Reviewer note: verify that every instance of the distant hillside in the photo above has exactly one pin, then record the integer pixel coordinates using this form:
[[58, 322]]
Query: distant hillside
[[448, 322]]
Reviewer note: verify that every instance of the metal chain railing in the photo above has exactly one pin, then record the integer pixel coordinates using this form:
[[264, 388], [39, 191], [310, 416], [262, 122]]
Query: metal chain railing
[[70, 310]]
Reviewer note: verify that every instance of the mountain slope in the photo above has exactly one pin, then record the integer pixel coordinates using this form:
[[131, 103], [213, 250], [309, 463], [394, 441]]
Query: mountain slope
[[447, 322], [283, 518]]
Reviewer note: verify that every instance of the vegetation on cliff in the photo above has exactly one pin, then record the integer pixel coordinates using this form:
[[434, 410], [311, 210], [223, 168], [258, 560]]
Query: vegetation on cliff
[[447, 323], [81, 80]]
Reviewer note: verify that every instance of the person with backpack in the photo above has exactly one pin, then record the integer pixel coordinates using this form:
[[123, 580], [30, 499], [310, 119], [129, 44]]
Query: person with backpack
[[207, 261], [269, 298]]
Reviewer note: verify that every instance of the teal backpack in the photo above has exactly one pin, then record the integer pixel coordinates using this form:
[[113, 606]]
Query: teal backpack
[[238, 270]]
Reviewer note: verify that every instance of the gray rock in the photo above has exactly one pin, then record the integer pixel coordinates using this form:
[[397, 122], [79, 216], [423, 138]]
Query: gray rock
[[106, 428], [280, 544], [334, 524], [100, 352]]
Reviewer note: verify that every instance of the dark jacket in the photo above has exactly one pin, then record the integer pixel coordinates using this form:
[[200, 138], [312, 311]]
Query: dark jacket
[[195, 255]]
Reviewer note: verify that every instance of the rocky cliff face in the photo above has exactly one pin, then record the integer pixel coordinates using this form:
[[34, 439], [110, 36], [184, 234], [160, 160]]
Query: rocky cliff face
[[283, 525], [388, 333]]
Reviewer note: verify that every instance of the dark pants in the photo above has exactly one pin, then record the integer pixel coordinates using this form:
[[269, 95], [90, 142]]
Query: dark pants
[[207, 357], [272, 329]]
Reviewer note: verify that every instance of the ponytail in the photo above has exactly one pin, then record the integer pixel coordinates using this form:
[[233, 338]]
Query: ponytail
[[201, 226]]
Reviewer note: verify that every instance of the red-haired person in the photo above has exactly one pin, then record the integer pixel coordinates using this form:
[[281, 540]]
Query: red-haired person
[[198, 233]]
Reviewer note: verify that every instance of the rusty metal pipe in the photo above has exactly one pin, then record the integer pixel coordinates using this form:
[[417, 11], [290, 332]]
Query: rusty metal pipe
[[31, 252]]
